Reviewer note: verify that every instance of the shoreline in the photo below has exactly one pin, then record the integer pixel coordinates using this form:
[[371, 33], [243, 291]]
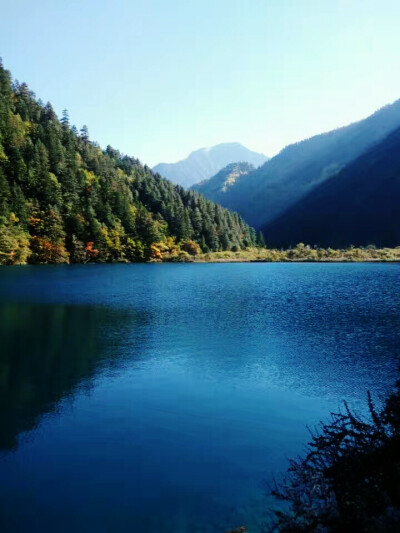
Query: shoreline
[[300, 254], [214, 261], [292, 261]]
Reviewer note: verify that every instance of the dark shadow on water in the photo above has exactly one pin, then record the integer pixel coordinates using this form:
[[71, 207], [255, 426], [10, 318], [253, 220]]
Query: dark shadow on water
[[46, 352]]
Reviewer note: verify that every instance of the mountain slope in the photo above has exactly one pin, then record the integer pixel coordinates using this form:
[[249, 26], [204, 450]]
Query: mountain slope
[[63, 199], [206, 162], [270, 190], [359, 205], [221, 182]]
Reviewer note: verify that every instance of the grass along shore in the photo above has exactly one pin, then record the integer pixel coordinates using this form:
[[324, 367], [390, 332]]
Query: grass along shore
[[302, 253]]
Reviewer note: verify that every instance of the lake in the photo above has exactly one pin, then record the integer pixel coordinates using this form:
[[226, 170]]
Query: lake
[[162, 397]]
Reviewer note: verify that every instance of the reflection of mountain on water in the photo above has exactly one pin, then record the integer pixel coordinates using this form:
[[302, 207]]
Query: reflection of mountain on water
[[46, 352]]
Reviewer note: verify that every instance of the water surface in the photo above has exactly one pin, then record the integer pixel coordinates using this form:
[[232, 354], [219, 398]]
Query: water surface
[[160, 397]]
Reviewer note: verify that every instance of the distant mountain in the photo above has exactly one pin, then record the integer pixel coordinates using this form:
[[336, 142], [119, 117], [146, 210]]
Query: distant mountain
[[360, 205], [266, 193], [220, 183], [206, 162]]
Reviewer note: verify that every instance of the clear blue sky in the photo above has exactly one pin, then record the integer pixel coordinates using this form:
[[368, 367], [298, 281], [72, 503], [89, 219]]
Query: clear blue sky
[[160, 78]]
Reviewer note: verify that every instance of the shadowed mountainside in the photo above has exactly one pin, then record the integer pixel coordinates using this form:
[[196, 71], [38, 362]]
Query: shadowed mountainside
[[359, 205], [266, 193]]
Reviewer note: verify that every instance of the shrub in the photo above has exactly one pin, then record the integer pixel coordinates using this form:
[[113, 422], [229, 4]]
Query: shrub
[[190, 247], [350, 477]]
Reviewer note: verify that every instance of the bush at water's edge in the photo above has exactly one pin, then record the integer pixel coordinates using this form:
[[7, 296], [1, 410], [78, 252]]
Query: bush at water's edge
[[350, 478]]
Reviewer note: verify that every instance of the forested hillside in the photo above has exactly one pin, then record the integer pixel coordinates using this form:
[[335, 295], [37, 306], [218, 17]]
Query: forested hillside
[[266, 193], [360, 205], [218, 185], [63, 199]]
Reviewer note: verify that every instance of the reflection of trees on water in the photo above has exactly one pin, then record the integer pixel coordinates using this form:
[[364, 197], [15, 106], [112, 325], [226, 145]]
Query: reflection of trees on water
[[46, 352]]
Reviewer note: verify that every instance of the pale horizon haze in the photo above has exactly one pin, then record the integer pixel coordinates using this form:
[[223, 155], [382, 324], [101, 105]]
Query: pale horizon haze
[[158, 80]]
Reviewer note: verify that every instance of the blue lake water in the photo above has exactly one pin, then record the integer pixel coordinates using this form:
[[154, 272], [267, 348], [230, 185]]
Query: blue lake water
[[161, 397]]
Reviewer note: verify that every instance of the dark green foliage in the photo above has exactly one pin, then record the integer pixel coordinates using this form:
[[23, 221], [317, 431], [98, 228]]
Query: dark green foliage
[[75, 202], [350, 478], [260, 239], [359, 205]]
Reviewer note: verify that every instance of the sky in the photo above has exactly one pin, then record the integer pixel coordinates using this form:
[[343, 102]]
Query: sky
[[158, 79]]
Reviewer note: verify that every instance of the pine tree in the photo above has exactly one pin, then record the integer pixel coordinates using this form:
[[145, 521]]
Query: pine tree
[[260, 239], [65, 118], [84, 133]]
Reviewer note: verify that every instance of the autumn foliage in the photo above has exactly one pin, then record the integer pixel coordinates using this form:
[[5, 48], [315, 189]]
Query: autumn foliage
[[44, 251], [91, 252]]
